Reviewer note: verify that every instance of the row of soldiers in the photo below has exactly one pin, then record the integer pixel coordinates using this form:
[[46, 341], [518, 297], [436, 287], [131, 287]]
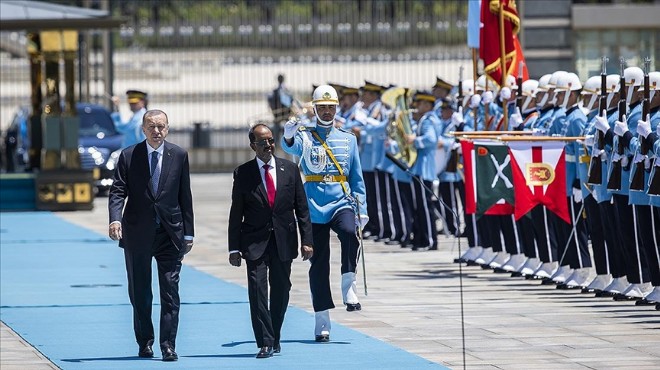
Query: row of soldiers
[[623, 224]]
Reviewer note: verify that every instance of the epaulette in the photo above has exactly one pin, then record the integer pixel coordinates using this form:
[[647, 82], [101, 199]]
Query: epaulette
[[344, 130]]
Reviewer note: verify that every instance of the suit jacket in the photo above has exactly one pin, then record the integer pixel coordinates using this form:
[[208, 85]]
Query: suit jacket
[[172, 201], [252, 221]]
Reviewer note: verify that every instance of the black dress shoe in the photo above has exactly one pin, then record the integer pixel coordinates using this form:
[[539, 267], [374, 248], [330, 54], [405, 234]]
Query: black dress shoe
[[460, 260], [323, 338], [146, 351], [265, 352], [472, 263], [350, 307], [516, 274], [277, 348], [169, 354], [645, 302], [622, 297], [392, 242], [657, 307]]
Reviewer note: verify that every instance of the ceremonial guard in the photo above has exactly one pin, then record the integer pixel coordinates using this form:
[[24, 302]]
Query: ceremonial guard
[[335, 189], [425, 140]]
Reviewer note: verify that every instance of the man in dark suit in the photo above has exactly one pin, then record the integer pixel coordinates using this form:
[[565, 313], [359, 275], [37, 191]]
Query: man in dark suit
[[267, 199], [153, 181]]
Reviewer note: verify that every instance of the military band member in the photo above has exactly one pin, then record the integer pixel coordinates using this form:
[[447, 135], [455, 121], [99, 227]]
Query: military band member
[[335, 189]]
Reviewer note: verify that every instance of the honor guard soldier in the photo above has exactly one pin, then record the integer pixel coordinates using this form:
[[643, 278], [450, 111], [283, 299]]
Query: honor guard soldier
[[335, 189], [425, 140], [131, 129], [348, 99]]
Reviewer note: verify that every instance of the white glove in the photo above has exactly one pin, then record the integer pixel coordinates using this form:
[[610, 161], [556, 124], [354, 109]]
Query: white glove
[[291, 127], [621, 127], [589, 140], [457, 117], [601, 122], [362, 221], [475, 100], [456, 146], [361, 116], [505, 93], [516, 118], [487, 97], [577, 195], [644, 127]]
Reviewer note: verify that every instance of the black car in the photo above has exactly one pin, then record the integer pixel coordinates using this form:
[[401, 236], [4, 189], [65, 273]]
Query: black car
[[99, 143]]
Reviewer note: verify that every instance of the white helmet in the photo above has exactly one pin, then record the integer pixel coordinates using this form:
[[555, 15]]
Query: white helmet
[[324, 95], [543, 87], [591, 87], [481, 83], [529, 89], [612, 87], [511, 82], [468, 90], [654, 84], [634, 77], [567, 82], [553, 83]]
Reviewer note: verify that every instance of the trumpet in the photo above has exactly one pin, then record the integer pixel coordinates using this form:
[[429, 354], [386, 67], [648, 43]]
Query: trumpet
[[400, 127]]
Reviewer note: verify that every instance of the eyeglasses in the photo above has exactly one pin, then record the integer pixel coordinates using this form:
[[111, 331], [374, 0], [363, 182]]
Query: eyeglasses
[[264, 142]]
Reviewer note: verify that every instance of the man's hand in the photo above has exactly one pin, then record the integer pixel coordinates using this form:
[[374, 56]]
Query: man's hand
[[505, 94], [306, 251], [114, 231], [487, 97], [457, 117], [235, 259], [291, 127], [411, 138], [644, 127], [516, 118], [475, 100], [621, 127], [360, 115], [601, 123], [187, 247]]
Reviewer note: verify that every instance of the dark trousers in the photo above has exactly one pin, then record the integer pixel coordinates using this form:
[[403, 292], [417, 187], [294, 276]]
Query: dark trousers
[[544, 234], [407, 209], [644, 240], [373, 226], [384, 204], [613, 239], [268, 270], [525, 228], [138, 268], [653, 251], [572, 248], [424, 230], [597, 235], [399, 215], [503, 235], [343, 223], [448, 194], [629, 238]]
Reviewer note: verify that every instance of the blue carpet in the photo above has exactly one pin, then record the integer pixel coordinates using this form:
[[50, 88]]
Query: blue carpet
[[63, 289]]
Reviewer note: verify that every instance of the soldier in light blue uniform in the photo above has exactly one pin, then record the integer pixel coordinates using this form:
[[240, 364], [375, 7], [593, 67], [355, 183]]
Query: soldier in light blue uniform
[[371, 129], [348, 98], [425, 140], [653, 138], [575, 265], [335, 189], [131, 129], [447, 164]]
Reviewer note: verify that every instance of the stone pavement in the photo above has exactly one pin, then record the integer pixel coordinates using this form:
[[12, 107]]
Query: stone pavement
[[413, 302]]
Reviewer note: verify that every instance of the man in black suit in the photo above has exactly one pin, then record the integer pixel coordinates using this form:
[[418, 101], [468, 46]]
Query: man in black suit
[[267, 198], [153, 181]]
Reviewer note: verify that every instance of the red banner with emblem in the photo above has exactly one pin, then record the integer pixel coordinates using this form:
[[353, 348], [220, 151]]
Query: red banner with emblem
[[490, 50]]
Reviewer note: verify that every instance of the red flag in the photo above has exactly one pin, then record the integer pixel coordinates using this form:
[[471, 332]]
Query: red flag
[[539, 177], [519, 58], [489, 37]]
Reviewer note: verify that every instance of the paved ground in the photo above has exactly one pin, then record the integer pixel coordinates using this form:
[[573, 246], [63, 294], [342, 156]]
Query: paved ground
[[414, 303]]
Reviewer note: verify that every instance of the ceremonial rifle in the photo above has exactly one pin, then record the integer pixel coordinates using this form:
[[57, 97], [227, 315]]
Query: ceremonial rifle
[[519, 92], [637, 181], [596, 165], [614, 182], [452, 165]]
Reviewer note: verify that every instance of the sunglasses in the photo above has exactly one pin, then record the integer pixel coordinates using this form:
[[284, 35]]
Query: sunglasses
[[264, 142]]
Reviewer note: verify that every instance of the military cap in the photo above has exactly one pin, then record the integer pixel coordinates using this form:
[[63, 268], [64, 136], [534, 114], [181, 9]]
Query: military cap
[[448, 103], [424, 96], [135, 96], [439, 82], [370, 86]]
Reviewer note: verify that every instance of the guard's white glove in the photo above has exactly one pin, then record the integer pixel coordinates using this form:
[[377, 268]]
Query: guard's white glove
[[291, 127], [516, 118], [361, 116], [457, 146], [621, 127], [475, 100], [601, 122], [589, 140], [457, 117], [644, 127], [487, 97], [505, 94], [361, 222], [577, 195]]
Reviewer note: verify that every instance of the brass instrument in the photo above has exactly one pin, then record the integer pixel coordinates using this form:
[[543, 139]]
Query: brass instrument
[[400, 127]]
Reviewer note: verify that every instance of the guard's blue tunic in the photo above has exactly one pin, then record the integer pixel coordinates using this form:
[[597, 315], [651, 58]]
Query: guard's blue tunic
[[426, 143], [326, 198], [599, 191], [634, 114], [571, 123], [131, 129], [443, 128], [641, 197], [372, 136], [655, 199]]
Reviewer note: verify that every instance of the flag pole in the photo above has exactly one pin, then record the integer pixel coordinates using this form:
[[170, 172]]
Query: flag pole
[[474, 69], [503, 65]]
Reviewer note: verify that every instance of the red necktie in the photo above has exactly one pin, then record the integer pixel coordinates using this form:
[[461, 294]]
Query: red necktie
[[270, 186]]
